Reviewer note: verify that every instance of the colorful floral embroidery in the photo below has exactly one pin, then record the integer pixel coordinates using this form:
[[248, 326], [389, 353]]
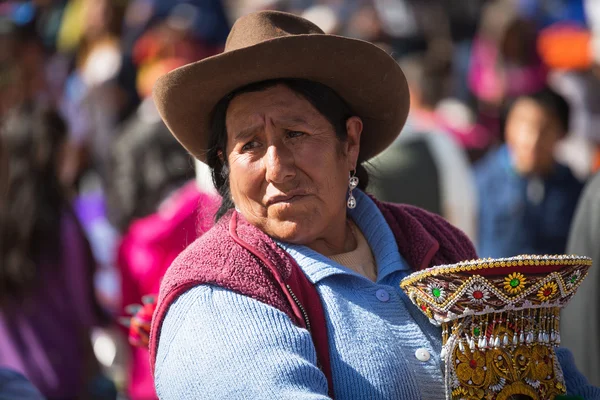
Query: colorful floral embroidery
[[514, 283], [547, 291], [471, 367], [573, 279], [478, 294], [437, 292]]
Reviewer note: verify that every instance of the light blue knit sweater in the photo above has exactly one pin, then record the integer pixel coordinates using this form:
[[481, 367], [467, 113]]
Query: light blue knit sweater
[[216, 344]]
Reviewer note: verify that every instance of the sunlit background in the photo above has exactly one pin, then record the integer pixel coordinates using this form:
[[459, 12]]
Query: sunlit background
[[93, 63]]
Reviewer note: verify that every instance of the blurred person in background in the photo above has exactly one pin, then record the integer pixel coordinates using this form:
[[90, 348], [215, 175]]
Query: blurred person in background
[[156, 204], [526, 198], [22, 76], [147, 164], [47, 301], [504, 61], [567, 48], [580, 321], [92, 100], [13, 385], [153, 198], [174, 22], [580, 82], [425, 166], [148, 248], [28, 71]]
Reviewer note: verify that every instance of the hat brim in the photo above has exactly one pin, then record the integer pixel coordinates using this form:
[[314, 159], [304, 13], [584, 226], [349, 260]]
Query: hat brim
[[366, 77]]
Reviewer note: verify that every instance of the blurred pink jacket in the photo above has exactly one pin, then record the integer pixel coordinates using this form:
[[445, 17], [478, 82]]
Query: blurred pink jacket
[[491, 82], [148, 249]]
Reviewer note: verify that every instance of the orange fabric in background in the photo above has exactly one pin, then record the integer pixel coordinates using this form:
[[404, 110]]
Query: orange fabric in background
[[596, 160], [565, 46]]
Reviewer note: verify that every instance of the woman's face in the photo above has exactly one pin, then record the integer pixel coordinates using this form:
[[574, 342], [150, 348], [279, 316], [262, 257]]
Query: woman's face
[[288, 170]]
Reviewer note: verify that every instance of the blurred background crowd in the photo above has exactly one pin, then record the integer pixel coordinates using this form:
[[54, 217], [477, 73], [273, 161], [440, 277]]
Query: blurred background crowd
[[97, 198]]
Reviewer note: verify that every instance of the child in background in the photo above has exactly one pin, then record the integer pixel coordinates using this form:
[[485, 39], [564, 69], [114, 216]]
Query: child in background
[[526, 198]]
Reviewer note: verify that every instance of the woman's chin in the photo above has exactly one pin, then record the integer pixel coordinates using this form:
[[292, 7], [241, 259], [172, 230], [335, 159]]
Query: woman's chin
[[292, 214], [290, 231]]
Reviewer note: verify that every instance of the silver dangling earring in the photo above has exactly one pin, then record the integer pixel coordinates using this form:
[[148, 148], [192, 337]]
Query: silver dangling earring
[[352, 184]]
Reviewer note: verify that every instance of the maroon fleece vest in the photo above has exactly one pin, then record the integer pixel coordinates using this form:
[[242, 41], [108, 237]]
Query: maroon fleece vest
[[238, 256]]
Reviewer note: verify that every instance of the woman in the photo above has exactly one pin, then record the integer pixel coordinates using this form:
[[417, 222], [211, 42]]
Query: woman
[[47, 303], [231, 321]]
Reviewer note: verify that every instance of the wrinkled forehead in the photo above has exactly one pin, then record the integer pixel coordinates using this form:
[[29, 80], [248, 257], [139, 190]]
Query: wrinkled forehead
[[279, 104]]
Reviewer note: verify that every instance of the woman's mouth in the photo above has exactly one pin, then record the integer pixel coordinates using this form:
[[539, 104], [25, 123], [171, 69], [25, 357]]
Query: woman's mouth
[[285, 199]]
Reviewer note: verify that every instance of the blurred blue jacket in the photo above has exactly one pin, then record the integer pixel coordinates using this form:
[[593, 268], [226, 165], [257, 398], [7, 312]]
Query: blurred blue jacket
[[520, 215], [14, 386]]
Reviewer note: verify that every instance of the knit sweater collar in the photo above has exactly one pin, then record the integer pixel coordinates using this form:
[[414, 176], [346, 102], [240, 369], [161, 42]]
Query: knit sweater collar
[[372, 224]]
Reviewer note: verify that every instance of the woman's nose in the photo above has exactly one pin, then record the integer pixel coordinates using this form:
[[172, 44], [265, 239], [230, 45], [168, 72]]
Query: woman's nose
[[279, 164]]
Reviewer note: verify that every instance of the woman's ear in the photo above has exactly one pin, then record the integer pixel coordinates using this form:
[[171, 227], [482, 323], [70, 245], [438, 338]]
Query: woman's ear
[[354, 127]]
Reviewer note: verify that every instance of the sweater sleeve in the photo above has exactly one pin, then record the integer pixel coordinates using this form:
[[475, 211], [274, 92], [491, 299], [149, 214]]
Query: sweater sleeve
[[218, 344], [577, 384]]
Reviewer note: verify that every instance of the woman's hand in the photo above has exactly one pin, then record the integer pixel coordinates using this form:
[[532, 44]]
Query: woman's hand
[[140, 321]]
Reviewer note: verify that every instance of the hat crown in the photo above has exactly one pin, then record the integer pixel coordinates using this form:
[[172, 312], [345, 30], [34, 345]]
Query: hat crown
[[267, 25]]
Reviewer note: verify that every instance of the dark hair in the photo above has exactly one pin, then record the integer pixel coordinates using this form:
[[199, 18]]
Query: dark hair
[[31, 199], [517, 44], [428, 76], [323, 99], [148, 164], [549, 100]]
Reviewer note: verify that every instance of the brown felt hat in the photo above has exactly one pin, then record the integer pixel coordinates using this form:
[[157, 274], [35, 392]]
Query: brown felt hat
[[274, 45]]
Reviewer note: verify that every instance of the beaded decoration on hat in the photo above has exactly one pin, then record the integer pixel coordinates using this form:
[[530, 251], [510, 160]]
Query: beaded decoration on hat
[[500, 322]]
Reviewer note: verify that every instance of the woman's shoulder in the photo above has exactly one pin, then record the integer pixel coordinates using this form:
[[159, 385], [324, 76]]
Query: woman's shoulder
[[432, 223], [216, 258], [211, 248], [426, 239], [413, 217]]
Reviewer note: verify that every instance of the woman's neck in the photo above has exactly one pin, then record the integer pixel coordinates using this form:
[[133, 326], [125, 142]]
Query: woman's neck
[[340, 239]]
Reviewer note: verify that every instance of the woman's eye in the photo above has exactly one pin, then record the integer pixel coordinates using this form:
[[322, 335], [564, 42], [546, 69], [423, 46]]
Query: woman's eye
[[294, 134], [250, 145]]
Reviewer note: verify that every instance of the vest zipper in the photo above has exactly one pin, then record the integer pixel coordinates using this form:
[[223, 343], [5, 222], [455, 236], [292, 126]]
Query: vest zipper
[[306, 321], [302, 310]]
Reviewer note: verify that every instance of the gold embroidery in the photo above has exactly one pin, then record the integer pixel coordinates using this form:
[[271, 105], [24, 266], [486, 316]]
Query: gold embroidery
[[499, 327]]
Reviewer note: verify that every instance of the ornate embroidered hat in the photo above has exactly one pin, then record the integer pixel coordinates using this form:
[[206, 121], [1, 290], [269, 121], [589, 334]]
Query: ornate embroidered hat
[[500, 322]]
